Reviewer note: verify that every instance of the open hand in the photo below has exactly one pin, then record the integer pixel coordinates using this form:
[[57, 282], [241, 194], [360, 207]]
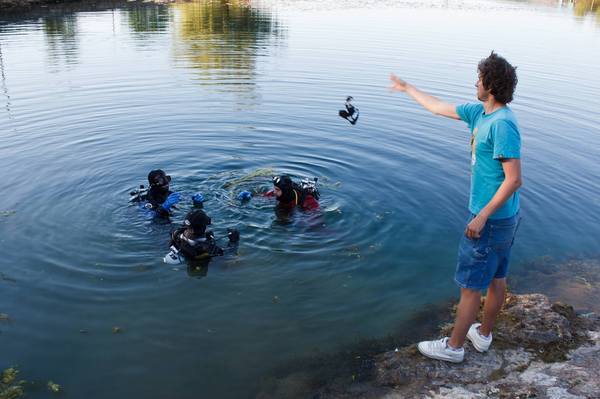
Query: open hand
[[397, 83], [474, 227]]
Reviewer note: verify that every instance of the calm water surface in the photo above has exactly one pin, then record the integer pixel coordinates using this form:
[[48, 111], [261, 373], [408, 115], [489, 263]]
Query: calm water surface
[[222, 95]]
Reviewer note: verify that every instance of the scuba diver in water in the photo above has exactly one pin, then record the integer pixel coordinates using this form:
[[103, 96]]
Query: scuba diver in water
[[158, 199], [290, 194], [193, 243]]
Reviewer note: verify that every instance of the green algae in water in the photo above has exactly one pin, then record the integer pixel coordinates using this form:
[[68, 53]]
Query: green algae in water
[[9, 376], [53, 387], [10, 388], [249, 177]]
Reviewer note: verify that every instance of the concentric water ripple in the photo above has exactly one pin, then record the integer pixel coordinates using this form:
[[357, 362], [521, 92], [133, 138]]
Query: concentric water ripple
[[222, 96]]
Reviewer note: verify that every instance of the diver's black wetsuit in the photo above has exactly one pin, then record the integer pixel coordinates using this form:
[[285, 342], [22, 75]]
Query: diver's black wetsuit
[[158, 199], [156, 196], [194, 249], [293, 194]]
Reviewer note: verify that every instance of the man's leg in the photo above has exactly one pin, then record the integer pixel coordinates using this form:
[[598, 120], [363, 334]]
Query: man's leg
[[468, 307], [493, 303]]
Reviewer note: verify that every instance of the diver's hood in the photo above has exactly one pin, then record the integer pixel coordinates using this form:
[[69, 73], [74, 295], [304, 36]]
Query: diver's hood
[[287, 195], [197, 220], [285, 184], [158, 178], [282, 182]]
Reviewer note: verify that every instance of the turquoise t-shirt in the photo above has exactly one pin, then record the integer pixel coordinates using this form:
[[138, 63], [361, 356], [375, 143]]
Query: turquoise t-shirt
[[494, 137]]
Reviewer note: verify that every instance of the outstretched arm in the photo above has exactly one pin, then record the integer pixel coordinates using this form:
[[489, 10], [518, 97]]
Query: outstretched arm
[[430, 103]]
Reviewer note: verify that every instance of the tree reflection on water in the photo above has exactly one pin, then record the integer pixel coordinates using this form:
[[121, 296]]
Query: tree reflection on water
[[222, 39], [584, 7], [61, 37], [148, 18]]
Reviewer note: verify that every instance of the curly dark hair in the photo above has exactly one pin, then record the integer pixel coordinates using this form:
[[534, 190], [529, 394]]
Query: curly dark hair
[[498, 76]]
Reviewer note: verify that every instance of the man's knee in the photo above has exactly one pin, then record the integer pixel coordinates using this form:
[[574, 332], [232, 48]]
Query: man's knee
[[498, 284], [469, 293]]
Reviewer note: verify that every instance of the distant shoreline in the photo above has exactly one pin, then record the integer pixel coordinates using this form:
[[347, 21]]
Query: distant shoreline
[[15, 6], [25, 8]]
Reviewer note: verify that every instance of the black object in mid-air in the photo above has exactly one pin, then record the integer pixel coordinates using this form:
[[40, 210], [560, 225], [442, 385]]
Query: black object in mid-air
[[351, 112]]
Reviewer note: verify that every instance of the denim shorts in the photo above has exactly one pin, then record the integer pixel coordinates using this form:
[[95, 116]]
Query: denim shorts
[[485, 258]]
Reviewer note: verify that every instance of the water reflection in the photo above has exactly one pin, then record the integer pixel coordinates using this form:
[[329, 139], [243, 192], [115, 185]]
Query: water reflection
[[198, 269], [61, 37], [4, 87], [222, 39], [85, 133], [148, 18], [584, 7]]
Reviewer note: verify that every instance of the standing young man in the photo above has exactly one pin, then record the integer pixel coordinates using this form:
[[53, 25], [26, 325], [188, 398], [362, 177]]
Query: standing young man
[[484, 249]]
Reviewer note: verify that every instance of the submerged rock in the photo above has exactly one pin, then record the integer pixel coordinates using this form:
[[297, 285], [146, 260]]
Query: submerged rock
[[574, 281], [540, 350]]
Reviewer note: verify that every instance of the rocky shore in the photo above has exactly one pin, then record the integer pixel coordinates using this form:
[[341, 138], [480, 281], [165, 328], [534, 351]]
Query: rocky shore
[[540, 350]]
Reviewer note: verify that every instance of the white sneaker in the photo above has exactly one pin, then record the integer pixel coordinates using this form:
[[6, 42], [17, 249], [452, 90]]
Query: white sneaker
[[440, 350], [480, 342]]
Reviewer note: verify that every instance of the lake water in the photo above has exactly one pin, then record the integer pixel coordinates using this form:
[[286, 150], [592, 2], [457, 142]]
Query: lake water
[[222, 95]]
